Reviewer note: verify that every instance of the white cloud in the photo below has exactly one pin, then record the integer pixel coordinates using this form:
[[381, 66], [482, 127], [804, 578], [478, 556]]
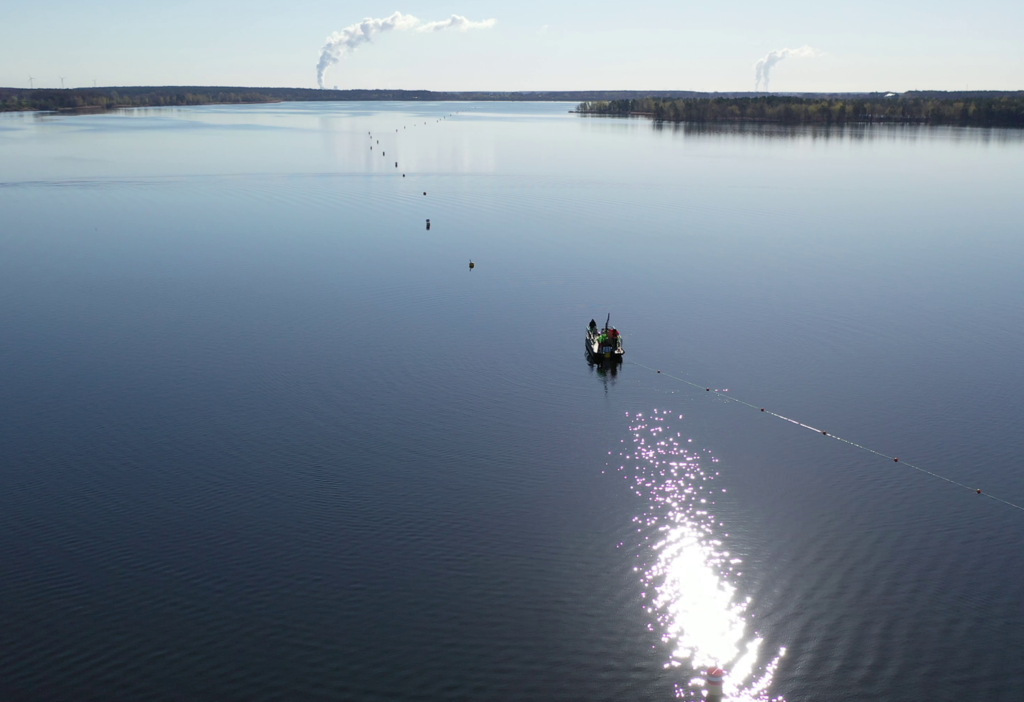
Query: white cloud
[[457, 22]]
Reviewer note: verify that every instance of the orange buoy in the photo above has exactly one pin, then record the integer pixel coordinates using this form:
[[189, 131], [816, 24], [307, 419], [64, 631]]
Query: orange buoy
[[708, 389], [825, 433], [713, 680], [762, 409], [895, 460], [659, 371], [979, 491]]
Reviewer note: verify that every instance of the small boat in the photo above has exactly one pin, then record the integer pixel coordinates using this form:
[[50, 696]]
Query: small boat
[[604, 345]]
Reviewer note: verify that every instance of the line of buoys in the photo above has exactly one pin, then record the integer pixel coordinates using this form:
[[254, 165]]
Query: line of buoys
[[472, 265], [894, 459]]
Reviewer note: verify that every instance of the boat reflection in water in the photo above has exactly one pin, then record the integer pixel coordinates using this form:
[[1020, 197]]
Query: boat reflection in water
[[689, 575]]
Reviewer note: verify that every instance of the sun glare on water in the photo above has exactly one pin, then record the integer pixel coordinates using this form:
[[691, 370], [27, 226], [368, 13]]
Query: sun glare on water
[[690, 579]]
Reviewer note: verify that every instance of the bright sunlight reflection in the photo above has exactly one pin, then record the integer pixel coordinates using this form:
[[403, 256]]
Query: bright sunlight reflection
[[690, 583]]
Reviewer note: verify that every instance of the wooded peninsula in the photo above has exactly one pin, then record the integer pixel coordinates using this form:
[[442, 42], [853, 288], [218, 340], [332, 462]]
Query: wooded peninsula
[[978, 109]]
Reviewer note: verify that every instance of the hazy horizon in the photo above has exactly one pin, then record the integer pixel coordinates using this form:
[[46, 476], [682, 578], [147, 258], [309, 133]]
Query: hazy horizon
[[518, 91]]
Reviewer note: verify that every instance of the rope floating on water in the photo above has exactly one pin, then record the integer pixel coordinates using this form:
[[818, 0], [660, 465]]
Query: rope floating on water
[[823, 432]]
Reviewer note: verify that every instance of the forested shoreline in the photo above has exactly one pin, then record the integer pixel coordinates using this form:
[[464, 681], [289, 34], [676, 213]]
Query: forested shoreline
[[977, 108], [974, 110], [91, 99], [51, 100]]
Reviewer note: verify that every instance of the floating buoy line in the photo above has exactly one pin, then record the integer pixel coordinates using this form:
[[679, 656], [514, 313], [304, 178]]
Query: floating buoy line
[[823, 432], [384, 154]]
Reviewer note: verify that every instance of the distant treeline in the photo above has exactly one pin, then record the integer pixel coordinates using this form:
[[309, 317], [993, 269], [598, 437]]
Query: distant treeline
[[978, 110], [93, 99], [973, 108], [136, 96]]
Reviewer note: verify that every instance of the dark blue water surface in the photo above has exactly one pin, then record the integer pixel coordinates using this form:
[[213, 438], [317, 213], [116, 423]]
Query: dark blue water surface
[[265, 437]]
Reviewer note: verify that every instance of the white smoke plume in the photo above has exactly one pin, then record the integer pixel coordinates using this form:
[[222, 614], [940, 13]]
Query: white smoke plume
[[763, 68], [457, 22], [349, 39]]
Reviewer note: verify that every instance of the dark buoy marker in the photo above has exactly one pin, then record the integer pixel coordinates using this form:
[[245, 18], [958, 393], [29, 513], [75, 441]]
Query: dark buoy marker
[[428, 225], [424, 193], [473, 265]]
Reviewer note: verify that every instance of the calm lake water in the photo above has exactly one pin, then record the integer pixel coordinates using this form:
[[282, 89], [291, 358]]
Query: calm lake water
[[265, 437]]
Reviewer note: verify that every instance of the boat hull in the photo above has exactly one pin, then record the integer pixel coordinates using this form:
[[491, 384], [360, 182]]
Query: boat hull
[[596, 353]]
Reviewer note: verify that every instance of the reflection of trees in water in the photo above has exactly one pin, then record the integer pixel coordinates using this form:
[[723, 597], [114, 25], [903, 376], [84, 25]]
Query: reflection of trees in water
[[988, 110], [848, 132], [858, 131]]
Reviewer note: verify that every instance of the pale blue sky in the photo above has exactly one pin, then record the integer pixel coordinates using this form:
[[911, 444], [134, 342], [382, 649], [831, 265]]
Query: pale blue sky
[[556, 44]]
